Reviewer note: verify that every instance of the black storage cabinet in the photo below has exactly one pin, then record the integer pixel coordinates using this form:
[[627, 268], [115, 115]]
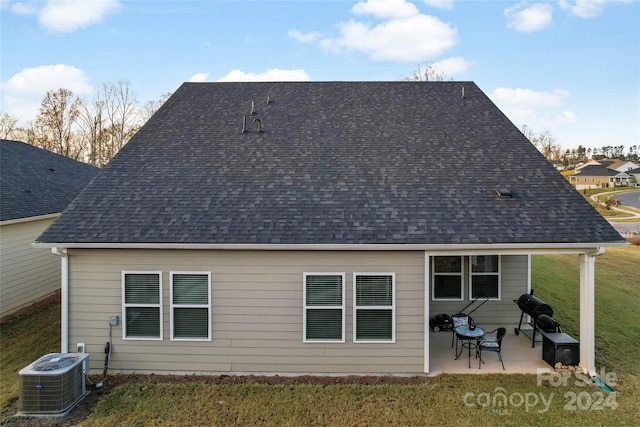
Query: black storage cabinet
[[560, 348]]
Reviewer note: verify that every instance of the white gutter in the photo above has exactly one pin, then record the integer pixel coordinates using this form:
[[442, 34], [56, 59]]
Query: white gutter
[[64, 291], [476, 249]]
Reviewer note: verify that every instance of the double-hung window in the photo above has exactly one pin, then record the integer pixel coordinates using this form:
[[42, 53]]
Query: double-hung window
[[191, 306], [142, 305], [374, 307], [324, 307], [485, 276], [447, 278]]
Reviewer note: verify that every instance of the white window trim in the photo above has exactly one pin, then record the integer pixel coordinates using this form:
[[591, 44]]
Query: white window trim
[[498, 273], [207, 306], [459, 274], [374, 307], [124, 307], [331, 307]]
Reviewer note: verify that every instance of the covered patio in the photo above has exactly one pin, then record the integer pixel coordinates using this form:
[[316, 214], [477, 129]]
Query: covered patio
[[518, 355]]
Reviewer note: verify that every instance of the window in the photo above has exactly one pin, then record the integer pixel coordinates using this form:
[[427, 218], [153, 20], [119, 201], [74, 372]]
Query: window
[[374, 307], [485, 276], [447, 278], [190, 306], [324, 305], [142, 305]]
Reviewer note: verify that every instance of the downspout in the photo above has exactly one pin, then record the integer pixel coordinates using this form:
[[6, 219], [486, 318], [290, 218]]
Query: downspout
[[64, 295]]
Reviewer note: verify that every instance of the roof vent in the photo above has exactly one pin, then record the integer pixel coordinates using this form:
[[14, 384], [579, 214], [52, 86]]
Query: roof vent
[[462, 94], [504, 193]]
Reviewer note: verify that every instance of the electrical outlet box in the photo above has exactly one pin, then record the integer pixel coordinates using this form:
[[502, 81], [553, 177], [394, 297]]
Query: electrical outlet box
[[114, 320], [80, 347]]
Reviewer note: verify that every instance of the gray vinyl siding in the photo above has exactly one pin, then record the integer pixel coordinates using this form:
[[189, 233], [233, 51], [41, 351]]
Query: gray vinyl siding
[[26, 274], [514, 282], [257, 309]]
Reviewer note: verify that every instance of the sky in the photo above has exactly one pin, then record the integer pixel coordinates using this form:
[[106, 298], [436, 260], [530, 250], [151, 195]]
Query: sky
[[570, 67]]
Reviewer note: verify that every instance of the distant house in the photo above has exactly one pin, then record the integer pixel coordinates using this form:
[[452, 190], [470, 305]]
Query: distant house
[[635, 176], [313, 227], [619, 165], [35, 187], [600, 174]]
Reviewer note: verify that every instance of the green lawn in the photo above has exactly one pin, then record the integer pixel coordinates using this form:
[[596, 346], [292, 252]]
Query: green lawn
[[24, 338], [442, 400]]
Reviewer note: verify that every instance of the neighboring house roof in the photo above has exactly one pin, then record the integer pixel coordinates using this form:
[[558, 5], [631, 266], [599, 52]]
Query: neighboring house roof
[[620, 165], [613, 164], [596, 170], [35, 182], [335, 163], [635, 171]]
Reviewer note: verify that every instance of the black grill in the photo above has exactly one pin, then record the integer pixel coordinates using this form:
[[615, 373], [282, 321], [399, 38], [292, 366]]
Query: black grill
[[547, 324], [534, 306]]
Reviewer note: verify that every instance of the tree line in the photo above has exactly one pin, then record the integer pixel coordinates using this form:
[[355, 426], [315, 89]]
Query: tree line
[[546, 143], [91, 129]]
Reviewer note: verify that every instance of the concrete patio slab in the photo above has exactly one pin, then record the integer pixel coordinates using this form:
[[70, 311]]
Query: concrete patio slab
[[518, 355]]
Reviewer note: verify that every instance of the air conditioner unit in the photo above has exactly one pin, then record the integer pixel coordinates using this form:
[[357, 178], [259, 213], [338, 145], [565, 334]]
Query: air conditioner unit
[[53, 384]]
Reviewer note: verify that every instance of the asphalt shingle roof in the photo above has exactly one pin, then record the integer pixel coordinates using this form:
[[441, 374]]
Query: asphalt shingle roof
[[36, 182], [334, 163], [597, 170]]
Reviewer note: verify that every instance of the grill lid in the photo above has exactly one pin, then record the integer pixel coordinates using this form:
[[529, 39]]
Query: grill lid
[[534, 306]]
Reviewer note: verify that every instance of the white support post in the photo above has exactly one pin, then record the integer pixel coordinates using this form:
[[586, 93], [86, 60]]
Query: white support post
[[587, 311], [427, 293]]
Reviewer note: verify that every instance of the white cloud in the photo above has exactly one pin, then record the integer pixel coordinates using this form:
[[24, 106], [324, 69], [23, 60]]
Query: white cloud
[[304, 37], [23, 92], [271, 75], [200, 77], [529, 19], [440, 4], [413, 39], [529, 97], [401, 34], [23, 8], [386, 9], [583, 8], [533, 108], [64, 16], [567, 117], [451, 66]]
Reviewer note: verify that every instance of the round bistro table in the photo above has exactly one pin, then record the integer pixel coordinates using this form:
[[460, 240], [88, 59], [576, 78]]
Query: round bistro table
[[469, 338]]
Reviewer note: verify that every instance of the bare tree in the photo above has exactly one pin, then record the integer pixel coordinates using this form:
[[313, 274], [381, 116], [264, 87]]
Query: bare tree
[[529, 134], [428, 74], [544, 142], [150, 107], [91, 129], [120, 109], [58, 113], [548, 147], [8, 129], [36, 134]]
